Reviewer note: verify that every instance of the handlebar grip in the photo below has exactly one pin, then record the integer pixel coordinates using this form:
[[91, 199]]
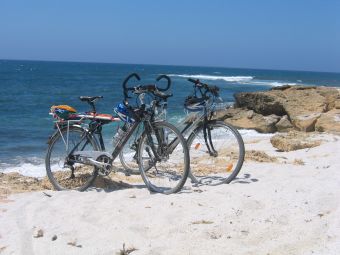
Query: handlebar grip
[[193, 81], [125, 89], [163, 76]]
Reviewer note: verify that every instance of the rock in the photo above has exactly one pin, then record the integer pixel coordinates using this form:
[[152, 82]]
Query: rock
[[302, 105], [54, 238], [248, 119], [305, 122], [37, 233], [329, 121], [284, 125], [337, 103], [294, 141], [261, 102]]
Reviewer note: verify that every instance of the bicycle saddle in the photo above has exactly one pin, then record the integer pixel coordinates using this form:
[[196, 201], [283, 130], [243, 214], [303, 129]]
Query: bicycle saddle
[[90, 99]]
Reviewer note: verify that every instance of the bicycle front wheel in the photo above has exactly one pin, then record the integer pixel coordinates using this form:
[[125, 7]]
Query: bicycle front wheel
[[216, 153], [163, 158], [62, 167], [128, 155]]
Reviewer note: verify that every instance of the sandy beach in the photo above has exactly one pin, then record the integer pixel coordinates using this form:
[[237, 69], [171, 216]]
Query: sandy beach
[[286, 204]]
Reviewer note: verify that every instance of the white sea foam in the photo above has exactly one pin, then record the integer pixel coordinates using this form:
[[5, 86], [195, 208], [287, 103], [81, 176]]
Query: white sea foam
[[214, 77], [253, 133], [237, 79], [271, 83], [27, 169]]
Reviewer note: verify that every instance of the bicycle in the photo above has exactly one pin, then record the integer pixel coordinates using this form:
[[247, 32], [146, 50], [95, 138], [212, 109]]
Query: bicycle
[[216, 148], [76, 152], [128, 155]]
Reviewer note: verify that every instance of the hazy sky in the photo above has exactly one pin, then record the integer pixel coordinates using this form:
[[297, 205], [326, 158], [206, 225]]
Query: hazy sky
[[270, 34]]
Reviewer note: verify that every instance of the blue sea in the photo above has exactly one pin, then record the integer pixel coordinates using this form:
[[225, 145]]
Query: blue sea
[[29, 88]]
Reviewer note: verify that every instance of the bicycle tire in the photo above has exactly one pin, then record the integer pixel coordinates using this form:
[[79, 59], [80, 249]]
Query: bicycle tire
[[223, 167], [167, 177], [55, 164]]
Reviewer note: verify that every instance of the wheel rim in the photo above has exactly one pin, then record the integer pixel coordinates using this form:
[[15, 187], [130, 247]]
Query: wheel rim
[[209, 168], [63, 173], [167, 174]]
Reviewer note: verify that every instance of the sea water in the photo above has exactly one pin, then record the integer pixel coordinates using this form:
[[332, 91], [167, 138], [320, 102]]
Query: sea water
[[29, 88]]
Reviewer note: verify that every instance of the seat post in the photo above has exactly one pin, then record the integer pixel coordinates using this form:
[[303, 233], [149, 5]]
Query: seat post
[[92, 106]]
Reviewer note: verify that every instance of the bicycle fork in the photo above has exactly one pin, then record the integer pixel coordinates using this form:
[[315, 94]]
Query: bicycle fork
[[207, 137]]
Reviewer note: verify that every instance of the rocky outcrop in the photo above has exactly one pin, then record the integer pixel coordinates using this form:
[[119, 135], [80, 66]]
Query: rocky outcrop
[[248, 119], [329, 121], [294, 141], [294, 107], [284, 125]]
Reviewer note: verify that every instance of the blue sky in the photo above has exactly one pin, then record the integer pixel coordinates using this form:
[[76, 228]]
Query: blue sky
[[266, 34]]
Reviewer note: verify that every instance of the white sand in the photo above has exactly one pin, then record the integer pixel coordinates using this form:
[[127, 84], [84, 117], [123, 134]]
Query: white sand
[[271, 209]]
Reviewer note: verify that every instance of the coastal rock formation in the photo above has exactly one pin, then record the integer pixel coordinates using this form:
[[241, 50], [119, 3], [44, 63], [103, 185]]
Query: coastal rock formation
[[286, 108], [294, 140], [329, 121], [284, 125], [248, 119]]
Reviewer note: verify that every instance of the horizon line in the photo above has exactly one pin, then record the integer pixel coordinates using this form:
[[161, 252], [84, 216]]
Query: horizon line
[[180, 65]]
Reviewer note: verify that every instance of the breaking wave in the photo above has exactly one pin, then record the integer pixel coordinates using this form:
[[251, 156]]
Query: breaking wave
[[214, 77]]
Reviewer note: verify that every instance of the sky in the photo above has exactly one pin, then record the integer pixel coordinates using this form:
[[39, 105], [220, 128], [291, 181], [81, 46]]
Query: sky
[[263, 34]]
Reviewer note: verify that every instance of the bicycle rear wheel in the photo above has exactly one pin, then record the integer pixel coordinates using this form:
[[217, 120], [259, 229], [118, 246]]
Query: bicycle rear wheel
[[163, 158], [219, 159], [62, 168]]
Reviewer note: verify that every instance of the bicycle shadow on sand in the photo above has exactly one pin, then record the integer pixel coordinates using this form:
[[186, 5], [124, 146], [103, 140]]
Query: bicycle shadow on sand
[[117, 181], [245, 179], [199, 187]]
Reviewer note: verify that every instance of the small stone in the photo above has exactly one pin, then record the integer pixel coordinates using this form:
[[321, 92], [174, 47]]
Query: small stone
[[54, 237], [74, 243], [38, 233], [132, 196]]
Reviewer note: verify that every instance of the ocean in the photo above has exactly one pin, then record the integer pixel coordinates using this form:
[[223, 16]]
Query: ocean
[[29, 88]]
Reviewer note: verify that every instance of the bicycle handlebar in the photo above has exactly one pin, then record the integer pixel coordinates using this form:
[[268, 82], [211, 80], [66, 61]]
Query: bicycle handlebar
[[167, 78], [212, 89], [125, 88]]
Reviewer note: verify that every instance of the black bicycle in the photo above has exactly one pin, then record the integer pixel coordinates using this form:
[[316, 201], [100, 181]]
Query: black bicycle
[[216, 148], [76, 152]]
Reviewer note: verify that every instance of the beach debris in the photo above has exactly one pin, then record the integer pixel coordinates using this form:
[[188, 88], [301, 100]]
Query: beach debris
[[47, 195], [198, 190], [245, 232], [259, 156], [214, 235], [132, 196], [323, 214], [202, 222], [74, 243], [147, 206], [172, 203], [298, 162], [125, 251], [38, 232], [199, 204], [2, 248], [54, 237]]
